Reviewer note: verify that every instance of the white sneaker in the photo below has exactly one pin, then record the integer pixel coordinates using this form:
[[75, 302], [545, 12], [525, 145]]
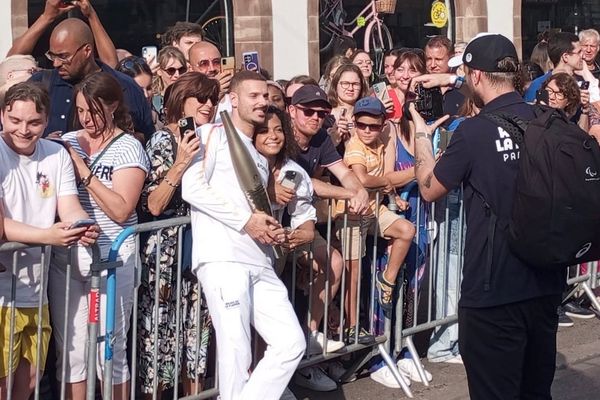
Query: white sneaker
[[335, 371], [455, 360], [384, 376], [287, 395], [408, 368], [315, 379], [315, 344]]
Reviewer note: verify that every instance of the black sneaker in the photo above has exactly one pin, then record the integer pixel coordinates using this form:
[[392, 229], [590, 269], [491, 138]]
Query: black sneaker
[[574, 310], [563, 320]]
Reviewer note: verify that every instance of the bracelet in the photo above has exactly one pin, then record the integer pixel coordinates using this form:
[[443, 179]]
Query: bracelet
[[87, 180], [419, 135], [173, 185], [459, 82]]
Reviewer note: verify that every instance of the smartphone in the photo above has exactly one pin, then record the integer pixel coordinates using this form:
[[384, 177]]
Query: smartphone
[[251, 61], [585, 85], [227, 64], [290, 179], [57, 140], [541, 97], [81, 223], [381, 92], [149, 52], [186, 124]]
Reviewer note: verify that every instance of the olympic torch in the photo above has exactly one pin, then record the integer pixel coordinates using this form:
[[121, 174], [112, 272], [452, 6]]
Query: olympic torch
[[247, 173]]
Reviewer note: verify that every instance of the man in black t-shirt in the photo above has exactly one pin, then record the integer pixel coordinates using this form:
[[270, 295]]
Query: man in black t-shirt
[[507, 310]]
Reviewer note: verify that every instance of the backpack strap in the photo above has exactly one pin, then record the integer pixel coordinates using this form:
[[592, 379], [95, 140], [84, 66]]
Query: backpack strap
[[491, 233], [514, 125]]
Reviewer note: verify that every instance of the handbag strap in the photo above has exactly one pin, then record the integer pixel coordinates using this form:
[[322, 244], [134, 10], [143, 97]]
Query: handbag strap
[[104, 150]]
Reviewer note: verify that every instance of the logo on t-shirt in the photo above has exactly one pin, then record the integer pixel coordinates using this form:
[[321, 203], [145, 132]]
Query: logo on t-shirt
[[506, 146], [44, 186]]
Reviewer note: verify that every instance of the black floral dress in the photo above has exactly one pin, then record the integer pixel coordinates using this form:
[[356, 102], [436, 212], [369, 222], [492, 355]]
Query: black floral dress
[[161, 149]]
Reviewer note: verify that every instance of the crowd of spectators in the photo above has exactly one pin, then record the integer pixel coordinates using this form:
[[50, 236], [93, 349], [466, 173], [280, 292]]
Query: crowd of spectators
[[99, 136]]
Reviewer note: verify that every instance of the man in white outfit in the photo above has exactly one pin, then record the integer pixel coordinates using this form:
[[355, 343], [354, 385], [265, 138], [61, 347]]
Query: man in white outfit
[[232, 257]]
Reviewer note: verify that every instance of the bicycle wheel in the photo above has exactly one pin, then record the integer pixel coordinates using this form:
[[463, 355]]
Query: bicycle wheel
[[213, 31], [375, 45], [331, 22]]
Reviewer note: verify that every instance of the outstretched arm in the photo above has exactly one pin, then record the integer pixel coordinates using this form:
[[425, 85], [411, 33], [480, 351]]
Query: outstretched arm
[[104, 44]]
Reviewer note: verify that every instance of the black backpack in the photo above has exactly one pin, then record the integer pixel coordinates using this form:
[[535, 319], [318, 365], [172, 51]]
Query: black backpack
[[555, 220]]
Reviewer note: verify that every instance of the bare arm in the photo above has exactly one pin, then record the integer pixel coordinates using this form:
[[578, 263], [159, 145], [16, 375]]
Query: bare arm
[[359, 203], [369, 181], [25, 43], [430, 188], [104, 44], [326, 190]]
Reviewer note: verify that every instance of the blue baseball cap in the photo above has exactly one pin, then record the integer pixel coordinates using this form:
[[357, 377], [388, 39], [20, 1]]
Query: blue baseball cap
[[369, 105]]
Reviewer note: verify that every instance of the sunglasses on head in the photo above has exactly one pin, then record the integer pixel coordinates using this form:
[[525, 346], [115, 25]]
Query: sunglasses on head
[[130, 63], [171, 70], [372, 127], [309, 112]]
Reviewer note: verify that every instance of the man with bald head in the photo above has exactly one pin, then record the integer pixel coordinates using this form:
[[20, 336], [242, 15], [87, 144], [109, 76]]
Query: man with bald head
[[71, 51], [205, 58]]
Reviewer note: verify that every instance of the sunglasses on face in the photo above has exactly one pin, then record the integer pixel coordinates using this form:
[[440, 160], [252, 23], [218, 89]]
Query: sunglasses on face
[[171, 70], [203, 99], [372, 127], [309, 112]]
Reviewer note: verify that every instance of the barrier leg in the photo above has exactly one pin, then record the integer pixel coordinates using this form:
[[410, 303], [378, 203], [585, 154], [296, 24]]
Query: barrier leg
[[413, 352], [590, 294], [392, 366], [92, 341]]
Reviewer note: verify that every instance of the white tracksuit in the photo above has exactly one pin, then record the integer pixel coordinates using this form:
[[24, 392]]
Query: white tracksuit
[[237, 277]]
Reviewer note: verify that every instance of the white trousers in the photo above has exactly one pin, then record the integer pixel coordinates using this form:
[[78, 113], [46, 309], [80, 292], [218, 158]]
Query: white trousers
[[239, 295]]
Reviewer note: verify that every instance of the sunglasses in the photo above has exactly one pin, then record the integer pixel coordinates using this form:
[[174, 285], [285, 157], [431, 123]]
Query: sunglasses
[[171, 70], [372, 127], [130, 63], [203, 99], [309, 112]]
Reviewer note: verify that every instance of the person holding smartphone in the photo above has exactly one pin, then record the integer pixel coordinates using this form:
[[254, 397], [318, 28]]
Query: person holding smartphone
[[564, 93], [110, 166], [192, 99]]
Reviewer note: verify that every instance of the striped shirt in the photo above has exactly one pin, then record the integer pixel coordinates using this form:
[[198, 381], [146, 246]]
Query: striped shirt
[[126, 152]]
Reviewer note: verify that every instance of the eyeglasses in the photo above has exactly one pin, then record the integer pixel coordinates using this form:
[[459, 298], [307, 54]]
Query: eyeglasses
[[65, 59], [346, 85], [309, 112], [208, 63], [372, 127], [557, 94], [203, 99], [171, 70]]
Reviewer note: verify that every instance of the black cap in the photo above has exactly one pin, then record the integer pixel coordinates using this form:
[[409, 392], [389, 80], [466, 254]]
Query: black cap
[[310, 94], [484, 52]]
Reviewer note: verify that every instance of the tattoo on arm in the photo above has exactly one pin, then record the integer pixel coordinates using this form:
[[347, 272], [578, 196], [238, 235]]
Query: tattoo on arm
[[427, 182], [419, 162]]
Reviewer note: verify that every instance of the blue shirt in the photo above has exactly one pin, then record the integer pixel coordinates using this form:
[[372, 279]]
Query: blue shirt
[[62, 102], [536, 85]]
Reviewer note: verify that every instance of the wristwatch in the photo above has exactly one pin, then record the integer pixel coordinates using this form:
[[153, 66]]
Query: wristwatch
[[457, 81], [86, 181]]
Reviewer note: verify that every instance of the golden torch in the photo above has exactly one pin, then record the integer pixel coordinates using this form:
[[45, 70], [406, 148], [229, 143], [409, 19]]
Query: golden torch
[[247, 173]]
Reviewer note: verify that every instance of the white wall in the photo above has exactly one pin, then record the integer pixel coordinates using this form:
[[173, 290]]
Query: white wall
[[5, 27], [290, 38], [500, 17]]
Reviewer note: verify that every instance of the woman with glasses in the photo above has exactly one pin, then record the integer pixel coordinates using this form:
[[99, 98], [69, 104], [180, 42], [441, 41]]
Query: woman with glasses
[[171, 65], [347, 86], [111, 166], [138, 69], [171, 152], [564, 93], [362, 59]]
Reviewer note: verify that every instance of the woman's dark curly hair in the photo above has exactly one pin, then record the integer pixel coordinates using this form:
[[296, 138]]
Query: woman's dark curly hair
[[290, 148], [567, 86]]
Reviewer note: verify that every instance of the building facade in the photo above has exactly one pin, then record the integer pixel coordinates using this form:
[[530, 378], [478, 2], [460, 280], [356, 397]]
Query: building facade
[[286, 32]]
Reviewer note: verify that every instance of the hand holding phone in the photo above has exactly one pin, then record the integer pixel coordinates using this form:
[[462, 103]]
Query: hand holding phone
[[380, 90], [251, 61], [227, 64], [149, 53], [290, 180], [585, 85]]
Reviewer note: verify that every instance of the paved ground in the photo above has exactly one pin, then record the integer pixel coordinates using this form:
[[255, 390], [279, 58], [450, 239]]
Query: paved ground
[[577, 375]]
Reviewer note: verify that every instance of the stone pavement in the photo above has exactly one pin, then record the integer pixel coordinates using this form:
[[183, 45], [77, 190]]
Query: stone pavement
[[577, 375]]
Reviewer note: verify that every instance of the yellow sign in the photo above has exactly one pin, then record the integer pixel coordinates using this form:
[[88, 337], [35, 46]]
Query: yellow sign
[[439, 14]]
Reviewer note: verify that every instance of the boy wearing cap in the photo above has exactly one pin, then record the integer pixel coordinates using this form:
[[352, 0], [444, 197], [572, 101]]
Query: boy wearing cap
[[507, 310], [364, 155]]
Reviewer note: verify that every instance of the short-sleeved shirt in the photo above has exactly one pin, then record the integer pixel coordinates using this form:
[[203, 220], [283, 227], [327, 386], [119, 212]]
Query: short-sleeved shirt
[[62, 102], [31, 187], [483, 158], [320, 153], [125, 152], [358, 153]]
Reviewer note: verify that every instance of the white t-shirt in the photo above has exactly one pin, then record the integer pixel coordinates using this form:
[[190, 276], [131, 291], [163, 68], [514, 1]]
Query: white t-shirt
[[300, 208], [31, 186], [219, 208], [126, 152]]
